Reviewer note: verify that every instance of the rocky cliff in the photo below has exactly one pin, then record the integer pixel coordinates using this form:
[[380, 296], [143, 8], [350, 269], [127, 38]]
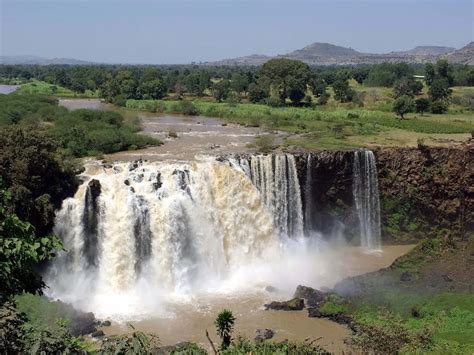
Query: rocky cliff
[[423, 191]]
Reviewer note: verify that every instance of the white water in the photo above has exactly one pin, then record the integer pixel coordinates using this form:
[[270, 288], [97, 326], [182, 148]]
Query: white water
[[366, 197], [162, 232]]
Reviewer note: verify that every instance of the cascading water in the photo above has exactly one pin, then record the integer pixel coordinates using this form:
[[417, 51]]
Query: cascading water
[[172, 226], [366, 197], [276, 177]]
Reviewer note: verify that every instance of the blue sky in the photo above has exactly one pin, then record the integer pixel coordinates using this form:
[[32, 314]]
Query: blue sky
[[183, 31]]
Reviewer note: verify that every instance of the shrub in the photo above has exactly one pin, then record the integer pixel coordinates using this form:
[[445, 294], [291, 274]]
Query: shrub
[[265, 144], [135, 343], [439, 107]]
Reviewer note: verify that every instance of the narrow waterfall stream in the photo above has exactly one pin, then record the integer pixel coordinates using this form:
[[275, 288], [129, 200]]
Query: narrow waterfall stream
[[366, 198]]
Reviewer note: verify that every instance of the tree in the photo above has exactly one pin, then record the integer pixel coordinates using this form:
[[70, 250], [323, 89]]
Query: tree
[[152, 89], [239, 83], [286, 78], [256, 93], [220, 90], [38, 181], [318, 87], [225, 324], [422, 105], [403, 105], [342, 91], [20, 252], [439, 89]]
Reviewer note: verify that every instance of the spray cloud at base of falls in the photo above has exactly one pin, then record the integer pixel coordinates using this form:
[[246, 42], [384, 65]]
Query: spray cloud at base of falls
[[141, 234]]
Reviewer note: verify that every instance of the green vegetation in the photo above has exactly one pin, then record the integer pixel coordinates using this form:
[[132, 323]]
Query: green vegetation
[[397, 311], [244, 346], [43, 88], [134, 343], [225, 325]]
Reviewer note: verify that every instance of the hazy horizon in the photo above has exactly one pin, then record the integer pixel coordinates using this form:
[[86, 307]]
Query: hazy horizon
[[185, 31]]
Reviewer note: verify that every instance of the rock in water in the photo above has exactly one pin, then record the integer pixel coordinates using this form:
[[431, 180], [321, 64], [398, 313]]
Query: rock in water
[[312, 296], [314, 312], [264, 334], [295, 304]]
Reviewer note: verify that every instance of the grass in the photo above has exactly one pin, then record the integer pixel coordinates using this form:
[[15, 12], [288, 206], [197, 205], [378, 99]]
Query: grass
[[43, 88], [328, 127]]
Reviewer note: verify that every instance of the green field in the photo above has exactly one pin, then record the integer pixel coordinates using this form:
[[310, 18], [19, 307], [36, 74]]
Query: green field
[[43, 88]]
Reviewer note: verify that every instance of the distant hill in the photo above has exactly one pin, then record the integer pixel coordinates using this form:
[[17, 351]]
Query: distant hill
[[330, 54], [435, 51], [32, 59], [464, 55]]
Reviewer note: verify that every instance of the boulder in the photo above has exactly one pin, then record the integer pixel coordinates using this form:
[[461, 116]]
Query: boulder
[[263, 334], [97, 334], [314, 312], [106, 323], [312, 296], [295, 304]]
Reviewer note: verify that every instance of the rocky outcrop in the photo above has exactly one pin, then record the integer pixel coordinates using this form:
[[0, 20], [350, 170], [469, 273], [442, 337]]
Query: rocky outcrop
[[311, 296], [295, 304]]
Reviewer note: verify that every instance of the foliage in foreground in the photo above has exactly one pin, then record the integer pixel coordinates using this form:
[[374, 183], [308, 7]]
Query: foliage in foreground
[[20, 252], [134, 343], [19, 336], [243, 346]]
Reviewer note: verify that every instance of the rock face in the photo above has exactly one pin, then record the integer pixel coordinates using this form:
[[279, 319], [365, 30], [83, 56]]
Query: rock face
[[421, 191], [295, 304], [80, 323], [433, 187]]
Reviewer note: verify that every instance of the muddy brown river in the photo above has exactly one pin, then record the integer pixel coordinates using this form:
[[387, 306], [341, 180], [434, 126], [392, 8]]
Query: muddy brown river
[[189, 319]]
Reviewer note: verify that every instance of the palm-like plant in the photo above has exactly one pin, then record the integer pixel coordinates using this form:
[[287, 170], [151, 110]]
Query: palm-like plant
[[225, 324]]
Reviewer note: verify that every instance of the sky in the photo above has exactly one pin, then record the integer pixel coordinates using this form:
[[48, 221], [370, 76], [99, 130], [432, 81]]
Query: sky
[[185, 31]]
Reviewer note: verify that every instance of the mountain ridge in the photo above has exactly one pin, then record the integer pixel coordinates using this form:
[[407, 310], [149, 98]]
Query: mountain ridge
[[321, 53]]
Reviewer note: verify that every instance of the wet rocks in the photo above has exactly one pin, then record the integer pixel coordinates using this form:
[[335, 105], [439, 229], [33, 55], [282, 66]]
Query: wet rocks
[[95, 188], [98, 334], [312, 297], [314, 312], [263, 334], [80, 323], [295, 304]]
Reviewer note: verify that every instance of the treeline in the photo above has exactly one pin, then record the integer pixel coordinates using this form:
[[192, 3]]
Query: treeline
[[117, 83]]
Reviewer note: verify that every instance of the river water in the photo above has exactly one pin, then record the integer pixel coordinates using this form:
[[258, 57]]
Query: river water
[[8, 89], [188, 320]]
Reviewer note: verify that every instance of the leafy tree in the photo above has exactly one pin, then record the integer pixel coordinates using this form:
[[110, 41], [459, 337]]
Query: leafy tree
[[342, 91], [152, 89], [220, 90], [422, 105], [20, 252], [439, 89], [225, 324], [256, 93], [38, 181], [360, 74], [403, 105], [286, 78], [318, 87], [239, 83]]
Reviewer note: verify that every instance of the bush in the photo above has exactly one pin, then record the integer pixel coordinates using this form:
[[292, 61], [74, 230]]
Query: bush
[[135, 343], [265, 144], [439, 107]]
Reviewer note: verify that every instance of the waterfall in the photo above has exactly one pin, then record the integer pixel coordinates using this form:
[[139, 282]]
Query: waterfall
[[173, 225], [366, 196], [276, 177], [308, 193]]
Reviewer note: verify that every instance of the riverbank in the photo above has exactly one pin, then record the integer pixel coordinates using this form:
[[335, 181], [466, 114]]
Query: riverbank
[[329, 128]]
